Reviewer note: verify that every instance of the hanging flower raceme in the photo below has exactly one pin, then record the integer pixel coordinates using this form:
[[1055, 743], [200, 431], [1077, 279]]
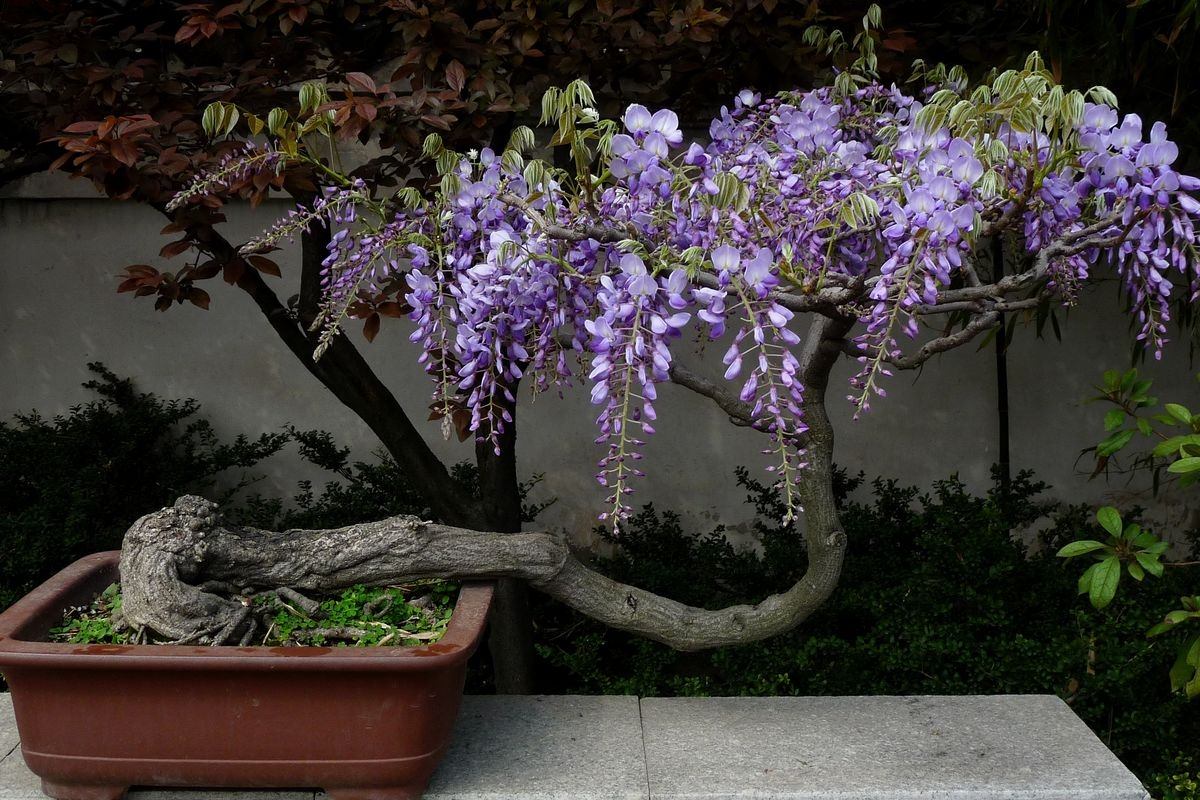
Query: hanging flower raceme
[[869, 200], [630, 337], [233, 168]]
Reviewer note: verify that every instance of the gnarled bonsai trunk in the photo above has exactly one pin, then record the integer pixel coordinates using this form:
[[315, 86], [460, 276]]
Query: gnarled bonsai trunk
[[174, 560]]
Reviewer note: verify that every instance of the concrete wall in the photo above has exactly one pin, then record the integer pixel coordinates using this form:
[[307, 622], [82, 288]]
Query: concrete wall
[[61, 248]]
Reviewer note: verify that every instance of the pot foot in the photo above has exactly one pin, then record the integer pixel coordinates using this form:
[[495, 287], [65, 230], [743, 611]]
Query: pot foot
[[412, 791], [79, 791]]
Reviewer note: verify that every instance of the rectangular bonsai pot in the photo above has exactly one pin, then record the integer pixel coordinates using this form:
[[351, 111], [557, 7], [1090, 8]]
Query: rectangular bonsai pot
[[362, 723]]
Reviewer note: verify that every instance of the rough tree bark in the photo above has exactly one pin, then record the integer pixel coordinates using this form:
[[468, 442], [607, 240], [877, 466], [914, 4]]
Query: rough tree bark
[[173, 560]]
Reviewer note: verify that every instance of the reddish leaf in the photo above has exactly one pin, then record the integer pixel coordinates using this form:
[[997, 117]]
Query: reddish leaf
[[175, 248], [85, 126], [58, 162], [264, 264], [393, 309], [371, 327], [198, 298], [456, 75], [234, 270], [366, 111], [435, 121], [462, 423], [361, 81], [205, 270]]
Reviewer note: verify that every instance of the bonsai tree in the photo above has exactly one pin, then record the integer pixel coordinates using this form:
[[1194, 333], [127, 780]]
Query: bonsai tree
[[812, 226], [122, 88]]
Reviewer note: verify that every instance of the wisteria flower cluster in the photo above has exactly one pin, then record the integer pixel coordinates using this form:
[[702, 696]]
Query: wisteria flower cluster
[[867, 205]]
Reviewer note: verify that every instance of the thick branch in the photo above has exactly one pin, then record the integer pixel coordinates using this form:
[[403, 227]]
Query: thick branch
[[1096, 235], [169, 554]]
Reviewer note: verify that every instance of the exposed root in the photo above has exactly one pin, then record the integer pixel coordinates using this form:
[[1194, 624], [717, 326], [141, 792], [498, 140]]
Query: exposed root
[[311, 608]]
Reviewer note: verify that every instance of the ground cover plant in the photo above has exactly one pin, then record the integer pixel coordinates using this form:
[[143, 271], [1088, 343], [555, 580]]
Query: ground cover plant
[[1127, 546], [360, 616]]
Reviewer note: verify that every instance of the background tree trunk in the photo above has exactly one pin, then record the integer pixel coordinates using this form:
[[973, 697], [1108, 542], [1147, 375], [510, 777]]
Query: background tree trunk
[[510, 631]]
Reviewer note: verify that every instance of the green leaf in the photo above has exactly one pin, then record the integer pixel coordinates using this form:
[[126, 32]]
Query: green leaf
[[1150, 564], [1185, 465], [211, 120], [1179, 412], [1114, 419], [1080, 548], [1109, 519], [1135, 571], [1144, 426], [1114, 443], [276, 119], [1143, 539], [1185, 674], [1104, 582], [1175, 444], [1085, 580]]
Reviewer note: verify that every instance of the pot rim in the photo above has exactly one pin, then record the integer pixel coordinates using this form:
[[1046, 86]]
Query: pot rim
[[19, 624]]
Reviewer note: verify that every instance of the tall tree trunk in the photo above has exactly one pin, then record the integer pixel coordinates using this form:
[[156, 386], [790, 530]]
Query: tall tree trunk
[[510, 632]]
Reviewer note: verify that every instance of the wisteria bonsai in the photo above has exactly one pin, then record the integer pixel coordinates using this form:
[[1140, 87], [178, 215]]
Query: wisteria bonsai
[[804, 228]]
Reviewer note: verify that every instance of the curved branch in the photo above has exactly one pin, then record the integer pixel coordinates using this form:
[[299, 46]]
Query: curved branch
[[827, 302], [169, 558], [1096, 235]]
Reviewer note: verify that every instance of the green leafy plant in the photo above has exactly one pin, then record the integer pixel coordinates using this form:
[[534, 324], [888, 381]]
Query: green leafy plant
[[1175, 456], [1181, 781], [1128, 548]]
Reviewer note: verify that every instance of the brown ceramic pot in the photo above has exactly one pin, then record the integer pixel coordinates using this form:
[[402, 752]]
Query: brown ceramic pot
[[362, 723]]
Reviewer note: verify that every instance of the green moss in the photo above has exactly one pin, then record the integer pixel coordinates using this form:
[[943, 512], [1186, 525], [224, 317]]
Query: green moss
[[361, 616]]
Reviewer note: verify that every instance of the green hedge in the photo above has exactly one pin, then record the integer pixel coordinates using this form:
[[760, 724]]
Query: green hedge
[[72, 484]]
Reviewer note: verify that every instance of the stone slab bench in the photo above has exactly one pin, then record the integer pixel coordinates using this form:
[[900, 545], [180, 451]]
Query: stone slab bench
[[1023, 747]]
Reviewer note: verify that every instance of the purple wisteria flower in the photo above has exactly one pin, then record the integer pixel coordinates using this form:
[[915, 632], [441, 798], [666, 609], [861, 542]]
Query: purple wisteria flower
[[790, 195]]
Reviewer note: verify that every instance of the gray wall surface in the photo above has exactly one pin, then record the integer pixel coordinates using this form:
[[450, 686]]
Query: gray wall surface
[[62, 248]]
